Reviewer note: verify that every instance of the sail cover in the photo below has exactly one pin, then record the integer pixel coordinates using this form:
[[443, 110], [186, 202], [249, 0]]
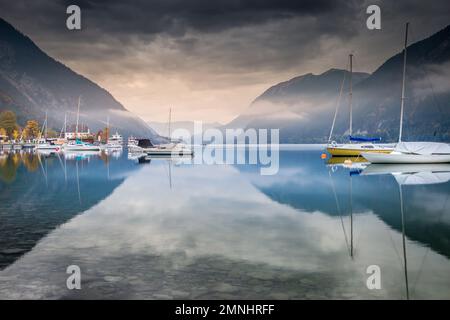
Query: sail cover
[[364, 139], [423, 148]]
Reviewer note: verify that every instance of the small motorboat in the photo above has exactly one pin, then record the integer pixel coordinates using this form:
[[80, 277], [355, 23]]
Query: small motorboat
[[171, 149], [79, 145], [43, 144]]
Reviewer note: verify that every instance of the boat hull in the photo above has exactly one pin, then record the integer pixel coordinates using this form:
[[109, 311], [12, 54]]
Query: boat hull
[[81, 149], [354, 152], [50, 148], [405, 158], [168, 152]]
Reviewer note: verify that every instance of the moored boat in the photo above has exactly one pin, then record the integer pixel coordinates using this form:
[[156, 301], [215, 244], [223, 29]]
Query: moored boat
[[354, 150], [411, 152], [145, 146], [79, 145], [43, 144], [357, 145]]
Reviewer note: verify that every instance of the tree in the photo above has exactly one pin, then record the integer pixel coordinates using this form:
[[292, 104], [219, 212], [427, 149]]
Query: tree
[[8, 121], [16, 133], [2, 132], [31, 130], [104, 134]]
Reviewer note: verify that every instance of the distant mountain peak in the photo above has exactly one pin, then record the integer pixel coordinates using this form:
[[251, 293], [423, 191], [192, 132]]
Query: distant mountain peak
[[307, 83]]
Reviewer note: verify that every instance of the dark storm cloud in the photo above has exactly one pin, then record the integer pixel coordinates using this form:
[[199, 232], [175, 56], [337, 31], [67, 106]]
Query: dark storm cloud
[[175, 17], [219, 53]]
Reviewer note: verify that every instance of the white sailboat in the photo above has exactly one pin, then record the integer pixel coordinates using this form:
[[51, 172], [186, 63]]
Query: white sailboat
[[411, 152], [115, 142], [353, 149], [78, 145], [174, 149], [42, 143]]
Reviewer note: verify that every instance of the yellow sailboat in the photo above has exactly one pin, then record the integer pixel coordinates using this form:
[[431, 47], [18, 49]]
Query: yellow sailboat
[[357, 145]]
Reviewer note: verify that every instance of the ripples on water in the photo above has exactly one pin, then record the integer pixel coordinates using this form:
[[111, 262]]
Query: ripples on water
[[171, 229]]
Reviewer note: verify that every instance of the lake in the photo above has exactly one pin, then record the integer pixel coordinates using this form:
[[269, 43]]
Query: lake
[[174, 229]]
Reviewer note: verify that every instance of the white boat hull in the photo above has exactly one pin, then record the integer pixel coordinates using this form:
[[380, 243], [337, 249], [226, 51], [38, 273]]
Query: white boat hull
[[81, 148], [167, 152], [48, 147], [405, 158]]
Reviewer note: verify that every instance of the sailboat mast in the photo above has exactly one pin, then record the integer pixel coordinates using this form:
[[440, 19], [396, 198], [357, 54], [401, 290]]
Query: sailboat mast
[[351, 94], [78, 118], [107, 129], [63, 129], [170, 118], [403, 84], [46, 124]]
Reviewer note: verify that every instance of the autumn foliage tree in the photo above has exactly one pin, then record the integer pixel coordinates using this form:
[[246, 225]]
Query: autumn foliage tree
[[8, 121], [2, 132], [31, 130]]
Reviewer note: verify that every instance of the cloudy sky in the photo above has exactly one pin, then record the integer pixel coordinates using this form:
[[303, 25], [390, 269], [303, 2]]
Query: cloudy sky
[[208, 59]]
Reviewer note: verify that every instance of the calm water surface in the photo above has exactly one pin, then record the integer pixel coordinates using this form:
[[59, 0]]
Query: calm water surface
[[172, 229]]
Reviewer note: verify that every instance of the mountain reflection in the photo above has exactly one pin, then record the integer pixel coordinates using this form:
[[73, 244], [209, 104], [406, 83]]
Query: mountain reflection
[[40, 191], [306, 183], [197, 231]]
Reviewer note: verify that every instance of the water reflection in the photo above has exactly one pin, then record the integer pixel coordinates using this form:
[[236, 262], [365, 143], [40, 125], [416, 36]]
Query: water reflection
[[411, 175], [40, 191], [178, 230]]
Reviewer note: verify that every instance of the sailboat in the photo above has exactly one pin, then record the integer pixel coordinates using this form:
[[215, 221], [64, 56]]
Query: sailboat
[[43, 143], [114, 142], [168, 149], [79, 145], [362, 144], [411, 152]]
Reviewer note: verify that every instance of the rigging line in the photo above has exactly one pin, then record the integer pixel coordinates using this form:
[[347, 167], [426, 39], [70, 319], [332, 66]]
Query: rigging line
[[338, 101], [428, 248], [339, 211]]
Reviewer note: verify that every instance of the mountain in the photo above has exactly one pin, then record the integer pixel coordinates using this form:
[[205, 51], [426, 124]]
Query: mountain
[[31, 82], [303, 107]]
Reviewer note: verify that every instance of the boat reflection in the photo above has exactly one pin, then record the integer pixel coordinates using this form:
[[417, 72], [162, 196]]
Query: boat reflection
[[410, 175], [41, 190]]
